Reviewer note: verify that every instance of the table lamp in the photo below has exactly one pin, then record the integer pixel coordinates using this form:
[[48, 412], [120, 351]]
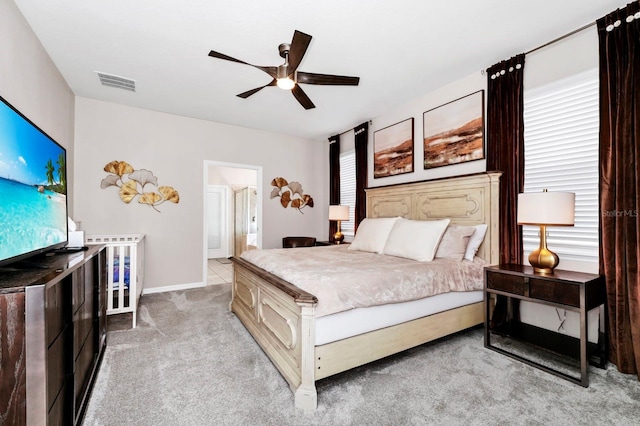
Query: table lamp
[[338, 213], [545, 209]]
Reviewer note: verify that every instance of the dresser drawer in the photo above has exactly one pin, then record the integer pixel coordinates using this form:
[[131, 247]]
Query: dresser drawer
[[58, 364], [57, 309], [536, 288], [555, 291], [513, 284]]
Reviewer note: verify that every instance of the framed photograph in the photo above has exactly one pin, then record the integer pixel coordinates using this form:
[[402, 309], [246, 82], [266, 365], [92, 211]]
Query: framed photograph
[[393, 149], [454, 132]]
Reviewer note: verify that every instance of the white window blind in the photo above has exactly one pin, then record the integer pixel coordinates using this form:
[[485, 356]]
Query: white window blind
[[348, 189], [561, 122]]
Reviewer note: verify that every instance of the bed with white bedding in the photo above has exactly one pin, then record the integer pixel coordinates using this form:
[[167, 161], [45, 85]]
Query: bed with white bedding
[[343, 279], [320, 311]]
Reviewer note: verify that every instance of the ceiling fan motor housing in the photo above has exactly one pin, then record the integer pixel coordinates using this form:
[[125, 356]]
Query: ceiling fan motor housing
[[284, 49]]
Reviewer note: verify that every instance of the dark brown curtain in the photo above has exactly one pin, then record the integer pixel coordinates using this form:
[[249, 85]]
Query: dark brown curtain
[[361, 143], [505, 148], [620, 181], [334, 180], [505, 152]]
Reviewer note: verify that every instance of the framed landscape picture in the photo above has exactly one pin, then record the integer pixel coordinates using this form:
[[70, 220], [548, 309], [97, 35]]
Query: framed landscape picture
[[454, 132], [393, 149]]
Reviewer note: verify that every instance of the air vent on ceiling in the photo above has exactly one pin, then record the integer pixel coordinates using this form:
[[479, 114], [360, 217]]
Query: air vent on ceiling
[[116, 81]]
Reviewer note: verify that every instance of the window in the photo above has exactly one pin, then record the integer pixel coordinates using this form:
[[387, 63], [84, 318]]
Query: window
[[561, 121], [348, 189]]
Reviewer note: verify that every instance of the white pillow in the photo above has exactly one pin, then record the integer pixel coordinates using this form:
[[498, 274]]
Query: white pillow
[[372, 234], [474, 242], [454, 242], [415, 239]]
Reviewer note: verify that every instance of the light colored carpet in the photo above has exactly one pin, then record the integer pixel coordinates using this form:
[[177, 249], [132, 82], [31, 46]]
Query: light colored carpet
[[191, 362]]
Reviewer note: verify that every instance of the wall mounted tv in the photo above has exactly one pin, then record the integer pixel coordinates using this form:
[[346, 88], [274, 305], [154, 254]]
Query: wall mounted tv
[[33, 188]]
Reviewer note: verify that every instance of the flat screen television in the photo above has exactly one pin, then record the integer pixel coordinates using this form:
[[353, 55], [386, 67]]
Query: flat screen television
[[33, 188]]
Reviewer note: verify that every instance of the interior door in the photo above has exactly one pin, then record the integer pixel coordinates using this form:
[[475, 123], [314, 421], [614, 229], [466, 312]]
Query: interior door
[[240, 222], [245, 220], [217, 222]]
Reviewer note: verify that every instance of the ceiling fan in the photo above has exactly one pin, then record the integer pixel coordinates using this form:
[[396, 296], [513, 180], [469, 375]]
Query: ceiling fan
[[287, 76]]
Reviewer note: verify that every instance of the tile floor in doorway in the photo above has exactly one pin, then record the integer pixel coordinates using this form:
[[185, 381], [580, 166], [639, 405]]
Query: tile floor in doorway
[[220, 271]]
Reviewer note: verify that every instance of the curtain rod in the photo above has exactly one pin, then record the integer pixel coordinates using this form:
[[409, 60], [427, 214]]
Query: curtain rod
[[340, 134], [351, 130], [582, 28]]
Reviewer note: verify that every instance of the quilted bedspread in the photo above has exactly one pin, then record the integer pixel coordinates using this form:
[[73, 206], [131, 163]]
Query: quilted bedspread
[[344, 279]]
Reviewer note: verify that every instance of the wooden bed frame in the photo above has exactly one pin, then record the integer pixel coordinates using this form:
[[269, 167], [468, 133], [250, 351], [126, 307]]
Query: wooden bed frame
[[280, 316]]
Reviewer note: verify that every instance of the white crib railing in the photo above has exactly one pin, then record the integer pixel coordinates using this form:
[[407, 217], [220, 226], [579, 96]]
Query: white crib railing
[[123, 297]]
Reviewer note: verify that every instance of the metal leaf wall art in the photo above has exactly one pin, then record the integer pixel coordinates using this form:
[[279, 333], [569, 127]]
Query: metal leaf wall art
[[290, 194], [134, 183]]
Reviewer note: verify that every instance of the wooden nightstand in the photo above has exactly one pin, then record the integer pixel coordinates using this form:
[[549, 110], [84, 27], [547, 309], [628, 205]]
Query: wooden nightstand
[[328, 243], [573, 291]]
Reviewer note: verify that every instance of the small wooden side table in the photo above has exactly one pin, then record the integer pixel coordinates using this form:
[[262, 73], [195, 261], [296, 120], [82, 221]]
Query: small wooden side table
[[329, 243], [573, 291]]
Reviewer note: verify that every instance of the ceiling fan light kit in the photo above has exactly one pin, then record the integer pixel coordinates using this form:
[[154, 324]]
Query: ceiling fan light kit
[[287, 76], [282, 75], [285, 83]]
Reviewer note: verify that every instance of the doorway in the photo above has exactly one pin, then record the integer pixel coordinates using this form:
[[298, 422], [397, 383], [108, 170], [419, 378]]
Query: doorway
[[217, 209], [245, 216], [221, 182]]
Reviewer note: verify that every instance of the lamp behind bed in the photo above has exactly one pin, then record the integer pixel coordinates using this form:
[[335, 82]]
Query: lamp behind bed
[[339, 213]]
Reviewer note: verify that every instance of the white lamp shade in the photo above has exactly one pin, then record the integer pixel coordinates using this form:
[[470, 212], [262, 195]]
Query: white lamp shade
[[546, 208], [338, 212]]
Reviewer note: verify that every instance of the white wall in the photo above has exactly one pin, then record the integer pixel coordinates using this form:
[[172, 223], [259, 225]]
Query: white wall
[[175, 148], [31, 83]]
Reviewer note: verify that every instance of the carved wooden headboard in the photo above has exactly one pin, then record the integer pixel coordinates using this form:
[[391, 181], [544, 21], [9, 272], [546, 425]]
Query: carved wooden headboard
[[466, 200]]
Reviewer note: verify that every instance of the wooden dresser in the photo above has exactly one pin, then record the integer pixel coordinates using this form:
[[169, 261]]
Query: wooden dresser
[[53, 333]]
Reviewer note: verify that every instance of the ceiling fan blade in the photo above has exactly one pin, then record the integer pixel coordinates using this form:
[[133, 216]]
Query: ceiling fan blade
[[219, 55], [302, 97], [269, 70], [245, 95], [326, 79], [298, 48]]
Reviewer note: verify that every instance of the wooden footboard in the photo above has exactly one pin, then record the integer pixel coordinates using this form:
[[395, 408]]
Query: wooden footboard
[[280, 317], [343, 355]]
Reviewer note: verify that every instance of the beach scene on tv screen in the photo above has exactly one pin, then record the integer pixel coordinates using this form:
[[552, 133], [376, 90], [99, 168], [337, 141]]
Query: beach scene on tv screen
[[33, 187]]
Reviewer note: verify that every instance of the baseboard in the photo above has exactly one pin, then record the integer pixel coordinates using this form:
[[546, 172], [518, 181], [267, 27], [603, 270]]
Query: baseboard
[[176, 287]]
